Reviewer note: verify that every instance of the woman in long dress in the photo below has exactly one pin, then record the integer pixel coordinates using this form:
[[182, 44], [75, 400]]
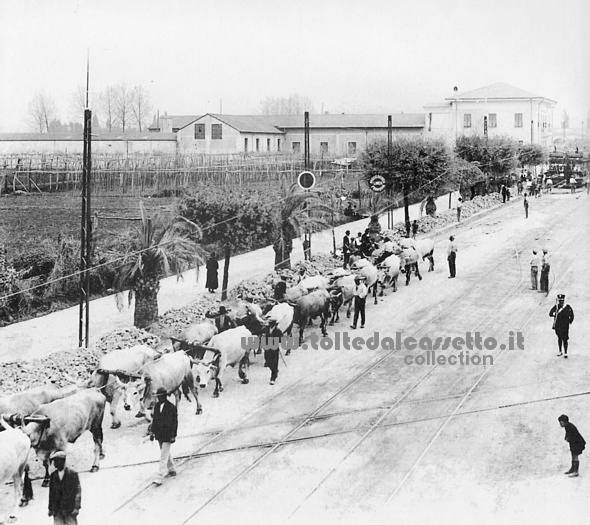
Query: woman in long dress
[[212, 267]]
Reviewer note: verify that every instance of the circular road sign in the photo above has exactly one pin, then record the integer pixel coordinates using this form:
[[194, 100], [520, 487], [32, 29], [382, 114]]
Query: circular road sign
[[306, 180], [377, 183]]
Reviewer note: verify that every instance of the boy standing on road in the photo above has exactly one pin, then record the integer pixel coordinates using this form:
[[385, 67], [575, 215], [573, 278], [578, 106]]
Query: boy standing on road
[[535, 263], [576, 442], [545, 267], [451, 256], [360, 297], [526, 207], [65, 493]]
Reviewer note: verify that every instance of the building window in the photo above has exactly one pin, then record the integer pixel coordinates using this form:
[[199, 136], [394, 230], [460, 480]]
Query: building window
[[351, 148], [267, 144], [199, 131], [493, 121], [467, 120], [278, 144], [257, 144], [518, 120], [296, 147], [246, 144], [324, 148], [216, 131]]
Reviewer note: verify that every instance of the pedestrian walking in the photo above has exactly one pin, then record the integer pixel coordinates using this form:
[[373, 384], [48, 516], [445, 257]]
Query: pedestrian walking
[[535, 263], [452, 256], [212, 282], [307, 249], [459, 206], [504, 193], [573, 184], [576, 442], [360, 298], [563, 316], [65, 492], [526, 207], [164, 429], [545, 267], [346, 248], [414, 228]]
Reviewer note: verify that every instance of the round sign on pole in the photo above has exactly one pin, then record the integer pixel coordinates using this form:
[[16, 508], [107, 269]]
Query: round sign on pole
[[306, 180], [377, 183]]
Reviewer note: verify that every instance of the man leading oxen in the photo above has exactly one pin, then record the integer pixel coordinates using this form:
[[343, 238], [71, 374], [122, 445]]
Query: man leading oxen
[[279, 323]]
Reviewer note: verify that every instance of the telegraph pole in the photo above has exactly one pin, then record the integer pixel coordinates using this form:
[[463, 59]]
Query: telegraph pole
[[307, 235], [389, 138], [86, 225]]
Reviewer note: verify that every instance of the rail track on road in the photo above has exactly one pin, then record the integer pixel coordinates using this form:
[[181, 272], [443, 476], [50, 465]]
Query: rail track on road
[[454, 313]]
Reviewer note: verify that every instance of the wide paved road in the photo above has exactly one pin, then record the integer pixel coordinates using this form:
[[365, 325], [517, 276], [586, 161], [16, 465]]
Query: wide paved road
[[360, 436]]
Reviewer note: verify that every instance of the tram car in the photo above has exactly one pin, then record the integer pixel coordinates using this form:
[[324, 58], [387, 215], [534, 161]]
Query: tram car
[[565, 168]]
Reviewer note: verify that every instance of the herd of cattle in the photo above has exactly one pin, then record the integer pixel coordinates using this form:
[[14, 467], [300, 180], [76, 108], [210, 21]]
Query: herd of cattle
[[46, 419]]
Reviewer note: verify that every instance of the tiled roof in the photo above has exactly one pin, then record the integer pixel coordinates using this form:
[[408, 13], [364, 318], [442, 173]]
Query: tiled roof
[[249, 123], [182, 121], [400, 120], [496, 91], [133, 135]]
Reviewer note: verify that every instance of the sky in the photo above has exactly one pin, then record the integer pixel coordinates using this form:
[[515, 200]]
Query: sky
[[374, 56]]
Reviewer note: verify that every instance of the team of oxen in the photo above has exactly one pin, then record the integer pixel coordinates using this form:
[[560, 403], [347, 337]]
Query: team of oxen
[[47, 419]]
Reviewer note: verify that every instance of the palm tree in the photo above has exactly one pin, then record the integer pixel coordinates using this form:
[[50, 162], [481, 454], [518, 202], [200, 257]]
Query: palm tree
[[299, 211], [159, 247]]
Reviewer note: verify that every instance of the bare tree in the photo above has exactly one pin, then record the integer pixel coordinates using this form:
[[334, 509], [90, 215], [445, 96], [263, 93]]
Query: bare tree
[[41, 112], [123, 104], [107, 105], [292, 105], [140, 106]]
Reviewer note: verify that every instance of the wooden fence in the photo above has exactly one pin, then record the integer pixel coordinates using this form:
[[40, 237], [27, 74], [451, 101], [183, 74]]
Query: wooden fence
[[152, 174]]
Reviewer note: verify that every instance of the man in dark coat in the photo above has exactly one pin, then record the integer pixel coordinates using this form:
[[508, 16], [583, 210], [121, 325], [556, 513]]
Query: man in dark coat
[[164, 428], [563, 316], [212, 282], [576, 442], [222, 319], [346, 248], [65, 492]]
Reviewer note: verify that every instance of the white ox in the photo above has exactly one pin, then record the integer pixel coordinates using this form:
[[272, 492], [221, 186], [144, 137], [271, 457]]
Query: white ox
[[364, 268], [389, 272], [63, 421], [26, 402], [171, 372], [223, 350], [424, 247], [315, 282], [120, 363], [195, 334], [14, 454]]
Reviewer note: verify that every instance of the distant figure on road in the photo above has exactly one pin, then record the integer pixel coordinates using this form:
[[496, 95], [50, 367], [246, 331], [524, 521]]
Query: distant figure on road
[[65, 492], [535, 263], [576, 441], [307, 249], [212, 268], [346, 248], [545, 267], [526, 207], [549, 185], [459, 206], [357, 243], [164, 428], [452, 256], [563, 316], [360, 298], [504, 193], [573, 184], [414, 228]]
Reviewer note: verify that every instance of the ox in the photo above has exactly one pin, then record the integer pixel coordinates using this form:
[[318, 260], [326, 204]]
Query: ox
[[26, 402], [364, 268], [341, 292], [195, 334], [171, 372], [225, 349], [424, 247], [311, 306], [53, 426], [389, 272], [315, 282], [14, 454], [120, 363], [409, 260]]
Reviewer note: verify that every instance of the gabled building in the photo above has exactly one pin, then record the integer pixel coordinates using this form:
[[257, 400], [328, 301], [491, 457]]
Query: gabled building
[[499, 109]]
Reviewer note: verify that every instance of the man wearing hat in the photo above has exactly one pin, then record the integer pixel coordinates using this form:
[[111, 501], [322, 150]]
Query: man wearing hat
[[563, 316], [65, 493], [576, 442], [164, 428], [545, 267], [223, 321], [452, 256], [360, 297]]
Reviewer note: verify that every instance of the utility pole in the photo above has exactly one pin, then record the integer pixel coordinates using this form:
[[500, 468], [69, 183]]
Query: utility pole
[[86, 226], [389, 138], [307, 234]]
